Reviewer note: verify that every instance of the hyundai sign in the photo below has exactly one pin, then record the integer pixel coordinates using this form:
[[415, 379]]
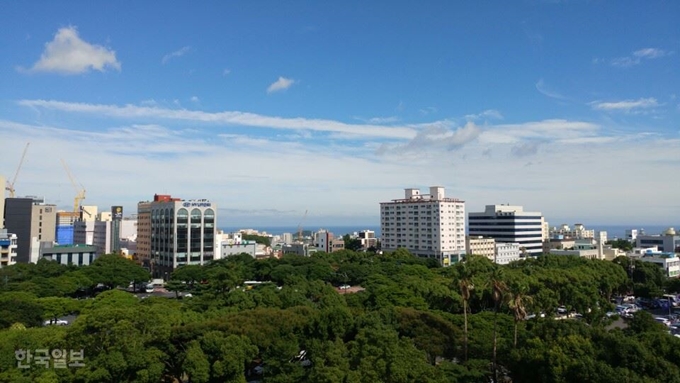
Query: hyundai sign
[[197, 204]]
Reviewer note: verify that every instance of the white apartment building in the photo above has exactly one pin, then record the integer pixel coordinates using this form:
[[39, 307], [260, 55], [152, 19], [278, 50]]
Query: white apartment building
[[631, 235], [479, 245], [427, 225], [579, 231], [506, 253], [509, 224]]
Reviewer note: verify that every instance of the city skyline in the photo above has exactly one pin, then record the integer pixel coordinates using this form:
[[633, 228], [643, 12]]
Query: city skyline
[[270, 110]]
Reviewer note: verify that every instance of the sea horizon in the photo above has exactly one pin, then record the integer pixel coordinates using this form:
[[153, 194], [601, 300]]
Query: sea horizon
[[613, 231]]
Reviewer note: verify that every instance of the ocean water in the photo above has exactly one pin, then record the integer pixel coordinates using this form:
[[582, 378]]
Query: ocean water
[[278, 230], [613, 231]]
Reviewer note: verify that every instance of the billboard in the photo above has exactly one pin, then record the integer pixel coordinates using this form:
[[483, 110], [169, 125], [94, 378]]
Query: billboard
[[117, 213]]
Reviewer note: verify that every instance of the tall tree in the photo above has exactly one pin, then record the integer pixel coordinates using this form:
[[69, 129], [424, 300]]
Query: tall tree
[[466, 286], [498, 293], [518, 298]]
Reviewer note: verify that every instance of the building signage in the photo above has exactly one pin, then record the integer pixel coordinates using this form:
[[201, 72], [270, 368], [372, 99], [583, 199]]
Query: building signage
[[197, 204], [117, 213]]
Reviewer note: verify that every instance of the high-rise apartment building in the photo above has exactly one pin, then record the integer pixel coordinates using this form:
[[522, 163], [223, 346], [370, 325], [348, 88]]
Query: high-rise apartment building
[[30, 218], [427, 225], [181, 232], [509, 224]]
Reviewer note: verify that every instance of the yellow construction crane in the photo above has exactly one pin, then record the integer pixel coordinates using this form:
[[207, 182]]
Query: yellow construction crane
[[299, 228], [10, 185], [80, 191]]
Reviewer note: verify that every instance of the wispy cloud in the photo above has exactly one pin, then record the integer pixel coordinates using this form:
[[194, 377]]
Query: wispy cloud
[[625, 105], [69, 54], [428, 110], [636, 57], [379, 120], [231, 118], [544, 90], [487, 114], [281, 84], [525, 149], [436, 136], [226, 72], [195, 99], [178, 53]]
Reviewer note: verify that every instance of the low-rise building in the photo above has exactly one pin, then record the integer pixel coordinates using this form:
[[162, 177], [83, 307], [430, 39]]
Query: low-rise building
[[506, 252], [8, 248], [78, 255], [579, 231], [668, 241], [234, 244], [480, 245], [368, 239], [667, 261]]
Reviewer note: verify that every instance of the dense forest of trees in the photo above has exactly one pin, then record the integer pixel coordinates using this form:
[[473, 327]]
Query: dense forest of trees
[[413, 321]]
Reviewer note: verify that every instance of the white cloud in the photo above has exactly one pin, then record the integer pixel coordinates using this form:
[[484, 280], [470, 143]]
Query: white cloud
[[379, 120], [226, 71], [435, 136], [195, 99], [178, 53], [544, 90], [650, 53], [626, 105], [69, 54], [126, 164], [428, 110], [281, 84], [489, 113], [637, 57], [226, 118]]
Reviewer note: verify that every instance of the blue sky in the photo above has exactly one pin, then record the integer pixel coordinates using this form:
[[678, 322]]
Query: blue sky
[[270, 108]]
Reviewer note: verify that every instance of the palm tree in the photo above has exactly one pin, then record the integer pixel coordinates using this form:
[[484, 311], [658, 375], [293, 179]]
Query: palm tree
[[518, 299], [466, 287], [498, 294]]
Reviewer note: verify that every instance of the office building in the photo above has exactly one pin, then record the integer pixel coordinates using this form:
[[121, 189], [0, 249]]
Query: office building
[[506, 253], [2, 201], [668, 262], [486, 247], [427, 225], [181, 232], [327, 242], [94, 233], [64, 231], [234, 245], [144, 231], [668, 241], [509, 224], [631, 235], [8, 248], [29, 218]]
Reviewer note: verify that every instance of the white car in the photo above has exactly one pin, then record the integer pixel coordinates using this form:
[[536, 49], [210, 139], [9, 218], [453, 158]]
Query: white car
[[58, 322], [345, 287], [663, 320]]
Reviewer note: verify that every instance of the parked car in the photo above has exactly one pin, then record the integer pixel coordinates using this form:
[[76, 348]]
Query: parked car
[[57, 322], [663, 320]]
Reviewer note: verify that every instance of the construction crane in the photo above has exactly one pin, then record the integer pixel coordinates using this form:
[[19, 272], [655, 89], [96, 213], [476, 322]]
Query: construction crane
[[299, 228], [10, 185], [80, 191]]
